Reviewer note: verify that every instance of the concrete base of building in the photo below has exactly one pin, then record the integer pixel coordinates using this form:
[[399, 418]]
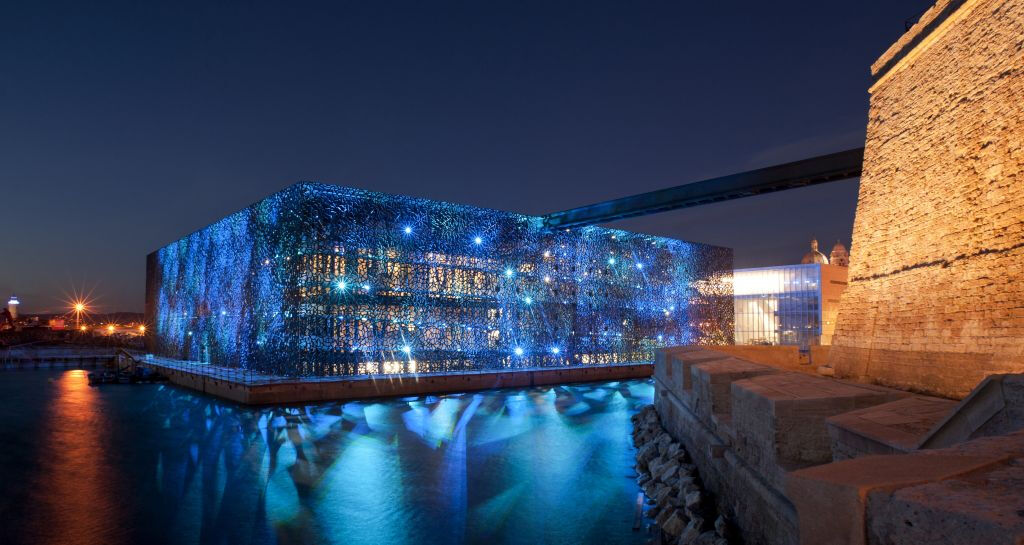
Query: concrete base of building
[[286, 391]]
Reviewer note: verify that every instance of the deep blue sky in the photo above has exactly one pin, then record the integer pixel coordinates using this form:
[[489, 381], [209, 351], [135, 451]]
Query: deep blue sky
[[126, 125]]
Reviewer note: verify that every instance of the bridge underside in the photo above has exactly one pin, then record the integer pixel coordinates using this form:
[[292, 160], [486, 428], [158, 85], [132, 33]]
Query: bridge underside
[[806, 172]]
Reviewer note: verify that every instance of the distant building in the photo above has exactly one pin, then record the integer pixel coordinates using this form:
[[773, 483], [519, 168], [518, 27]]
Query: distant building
[[839, 255], [791, 304], [814, 256], [12, 306]]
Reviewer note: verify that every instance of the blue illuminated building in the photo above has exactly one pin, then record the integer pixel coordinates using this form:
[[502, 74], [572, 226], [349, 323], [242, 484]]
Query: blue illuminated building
[[320, 280]]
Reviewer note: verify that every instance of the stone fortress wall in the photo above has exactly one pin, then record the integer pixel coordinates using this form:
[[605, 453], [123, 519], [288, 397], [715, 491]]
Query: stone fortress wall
[[935, 304], [936, 294]]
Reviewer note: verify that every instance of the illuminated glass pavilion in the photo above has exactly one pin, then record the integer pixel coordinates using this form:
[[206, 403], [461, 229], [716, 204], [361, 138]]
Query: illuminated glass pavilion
[[320, 280]]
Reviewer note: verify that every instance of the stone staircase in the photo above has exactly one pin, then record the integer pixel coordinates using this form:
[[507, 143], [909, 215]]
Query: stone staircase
[[794, 458]]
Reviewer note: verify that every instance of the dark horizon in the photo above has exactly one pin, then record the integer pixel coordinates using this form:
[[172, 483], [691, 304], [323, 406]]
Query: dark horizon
[[128, 126]]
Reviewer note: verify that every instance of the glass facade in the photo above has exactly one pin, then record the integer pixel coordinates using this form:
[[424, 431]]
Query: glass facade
[[778, 305], [320, 280]]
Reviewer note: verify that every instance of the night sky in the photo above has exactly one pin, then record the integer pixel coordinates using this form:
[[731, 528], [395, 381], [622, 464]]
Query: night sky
[[125, 126]]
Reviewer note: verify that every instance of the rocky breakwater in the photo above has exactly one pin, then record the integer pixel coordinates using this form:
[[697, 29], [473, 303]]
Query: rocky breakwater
[[683, 511]]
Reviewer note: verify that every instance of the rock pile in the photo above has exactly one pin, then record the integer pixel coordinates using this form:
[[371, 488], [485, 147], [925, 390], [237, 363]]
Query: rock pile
[[682, 509]]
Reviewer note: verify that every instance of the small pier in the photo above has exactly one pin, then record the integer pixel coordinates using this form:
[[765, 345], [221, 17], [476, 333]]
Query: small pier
[[254, 389], [78, 357]]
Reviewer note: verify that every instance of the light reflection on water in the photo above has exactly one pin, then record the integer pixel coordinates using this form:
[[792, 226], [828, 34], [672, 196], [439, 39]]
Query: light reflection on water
[[156, 464]]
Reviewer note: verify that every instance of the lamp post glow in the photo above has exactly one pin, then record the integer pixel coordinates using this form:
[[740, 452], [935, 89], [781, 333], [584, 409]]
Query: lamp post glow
[[79, 309]]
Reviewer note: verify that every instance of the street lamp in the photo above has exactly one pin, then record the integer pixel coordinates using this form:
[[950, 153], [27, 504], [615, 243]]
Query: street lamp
[[79, 309]]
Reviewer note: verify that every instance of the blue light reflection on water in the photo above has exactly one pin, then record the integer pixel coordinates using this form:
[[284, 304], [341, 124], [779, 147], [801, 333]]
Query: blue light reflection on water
[[158, 464]]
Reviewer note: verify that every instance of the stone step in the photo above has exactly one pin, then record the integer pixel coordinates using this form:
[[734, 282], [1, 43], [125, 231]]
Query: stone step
[[890, 428], [779, 419], [963, 495], [668, 368], [712, 385], [683, 362], [994, 407]]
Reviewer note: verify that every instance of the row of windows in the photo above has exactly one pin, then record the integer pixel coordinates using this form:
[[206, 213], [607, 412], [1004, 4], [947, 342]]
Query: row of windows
[[779, 305]]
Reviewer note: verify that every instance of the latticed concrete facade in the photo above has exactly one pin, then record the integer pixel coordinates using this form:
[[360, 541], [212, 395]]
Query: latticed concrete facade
[[320, 280]]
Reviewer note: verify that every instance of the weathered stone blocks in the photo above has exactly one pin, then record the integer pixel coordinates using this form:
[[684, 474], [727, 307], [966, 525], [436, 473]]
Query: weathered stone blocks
[[962, 495], [831, 500], [779, 419], [712, 384], [890, 428], [935, 300], [666, 364], [673, 366]]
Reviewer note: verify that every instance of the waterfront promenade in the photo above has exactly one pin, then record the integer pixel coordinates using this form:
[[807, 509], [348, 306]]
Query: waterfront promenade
[[250, 388]]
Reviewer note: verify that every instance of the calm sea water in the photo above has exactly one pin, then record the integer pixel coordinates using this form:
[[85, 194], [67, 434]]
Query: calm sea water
[[158, 464]]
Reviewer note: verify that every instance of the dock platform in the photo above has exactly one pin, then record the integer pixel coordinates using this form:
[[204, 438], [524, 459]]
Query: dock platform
[[254, 389]]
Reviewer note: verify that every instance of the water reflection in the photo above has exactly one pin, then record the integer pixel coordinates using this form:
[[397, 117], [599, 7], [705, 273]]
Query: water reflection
[[159, 464], [76, 458]]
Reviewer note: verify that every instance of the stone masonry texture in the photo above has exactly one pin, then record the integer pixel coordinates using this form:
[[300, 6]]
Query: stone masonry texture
[[936, 294]]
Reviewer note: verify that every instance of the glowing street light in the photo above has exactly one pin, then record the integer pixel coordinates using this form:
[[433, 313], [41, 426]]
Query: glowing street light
[[79, 307]]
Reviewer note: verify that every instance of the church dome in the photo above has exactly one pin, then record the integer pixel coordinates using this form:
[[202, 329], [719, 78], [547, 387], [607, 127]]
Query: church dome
[[814, 256], [839, 255]]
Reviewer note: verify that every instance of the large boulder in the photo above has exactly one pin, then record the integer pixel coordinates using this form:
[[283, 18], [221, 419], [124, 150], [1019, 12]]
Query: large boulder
[[675, 524], [690, 534]]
